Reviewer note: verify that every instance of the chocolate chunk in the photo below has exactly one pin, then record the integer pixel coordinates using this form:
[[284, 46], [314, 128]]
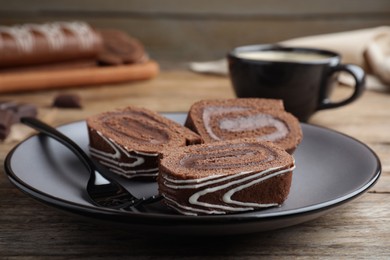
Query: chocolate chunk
[[7, 105], [25, 110], [6, 121], [11, 107], [18, 110], [11, 112], [67, 101]]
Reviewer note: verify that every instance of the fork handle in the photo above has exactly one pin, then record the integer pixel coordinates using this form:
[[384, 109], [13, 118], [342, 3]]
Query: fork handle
[[57, 135]]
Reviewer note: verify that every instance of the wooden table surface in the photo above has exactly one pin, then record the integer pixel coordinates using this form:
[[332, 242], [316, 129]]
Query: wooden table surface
[[360, 229]]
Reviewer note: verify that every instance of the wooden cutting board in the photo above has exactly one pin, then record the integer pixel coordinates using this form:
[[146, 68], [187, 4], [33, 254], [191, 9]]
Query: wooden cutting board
[[39, 80]]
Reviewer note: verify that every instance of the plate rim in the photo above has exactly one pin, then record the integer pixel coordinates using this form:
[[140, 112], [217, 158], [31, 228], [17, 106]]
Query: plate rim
[[163, 219]]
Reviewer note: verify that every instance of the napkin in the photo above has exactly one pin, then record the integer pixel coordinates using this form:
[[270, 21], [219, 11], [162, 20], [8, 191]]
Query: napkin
[[368, 48]]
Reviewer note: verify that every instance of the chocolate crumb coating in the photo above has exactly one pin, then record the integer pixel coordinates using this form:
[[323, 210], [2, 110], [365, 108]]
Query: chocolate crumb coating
[[129, 141], [227, 119], [225, 177], [67, 101]]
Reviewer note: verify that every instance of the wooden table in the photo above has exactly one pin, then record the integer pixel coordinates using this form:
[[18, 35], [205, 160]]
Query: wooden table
[[360, 229]]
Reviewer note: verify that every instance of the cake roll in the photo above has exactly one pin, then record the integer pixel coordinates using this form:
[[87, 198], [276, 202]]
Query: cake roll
[[120, 48], [225, 177], [227, 119], [32, 44], [129, 141]]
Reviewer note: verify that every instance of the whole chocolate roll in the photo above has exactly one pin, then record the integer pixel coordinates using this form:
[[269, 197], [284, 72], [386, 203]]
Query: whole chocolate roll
[[31, 44]]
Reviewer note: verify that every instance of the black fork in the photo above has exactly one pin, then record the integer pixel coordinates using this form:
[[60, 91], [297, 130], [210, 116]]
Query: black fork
[[102, 190]]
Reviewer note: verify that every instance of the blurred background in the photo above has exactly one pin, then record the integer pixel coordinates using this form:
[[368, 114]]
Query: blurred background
[[177, 30]]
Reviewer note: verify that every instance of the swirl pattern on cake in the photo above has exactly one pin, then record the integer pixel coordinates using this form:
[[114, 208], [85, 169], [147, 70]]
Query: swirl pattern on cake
[[225, 177], [128, 141], [263, 119]]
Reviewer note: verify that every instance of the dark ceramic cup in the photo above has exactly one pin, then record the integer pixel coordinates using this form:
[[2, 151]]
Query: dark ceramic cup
[[302, 77]]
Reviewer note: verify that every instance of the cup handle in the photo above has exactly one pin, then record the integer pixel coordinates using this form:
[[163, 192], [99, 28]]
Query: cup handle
[[359, 76]]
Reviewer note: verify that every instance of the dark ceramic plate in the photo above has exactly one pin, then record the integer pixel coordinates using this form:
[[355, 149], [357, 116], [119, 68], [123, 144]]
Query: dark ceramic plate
[[332, 169]]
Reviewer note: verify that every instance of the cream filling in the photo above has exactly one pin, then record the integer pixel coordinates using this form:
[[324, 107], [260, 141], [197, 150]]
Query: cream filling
[[254, 122], [211, 111], [179, 207], [220, 157], [241, 124]]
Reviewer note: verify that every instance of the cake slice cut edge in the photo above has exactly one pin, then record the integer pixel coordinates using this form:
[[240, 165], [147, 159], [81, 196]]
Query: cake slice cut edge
[[200, 180]]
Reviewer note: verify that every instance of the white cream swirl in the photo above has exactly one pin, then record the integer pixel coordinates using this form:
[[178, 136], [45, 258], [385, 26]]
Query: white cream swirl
[[236, 120], [114, 161], [205, 186]]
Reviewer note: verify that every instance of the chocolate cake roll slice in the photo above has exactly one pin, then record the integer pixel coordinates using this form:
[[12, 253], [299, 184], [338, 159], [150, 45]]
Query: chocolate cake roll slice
[[225, 177], [263, 119], [120, 48], [128, 141]]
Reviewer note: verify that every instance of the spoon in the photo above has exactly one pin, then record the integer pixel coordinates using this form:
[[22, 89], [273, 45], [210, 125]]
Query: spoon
[[102, 190]]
